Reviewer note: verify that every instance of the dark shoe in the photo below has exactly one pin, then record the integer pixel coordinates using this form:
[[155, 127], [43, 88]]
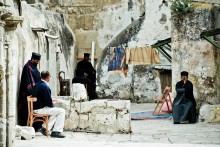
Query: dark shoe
[[57, 135], [43, 131]]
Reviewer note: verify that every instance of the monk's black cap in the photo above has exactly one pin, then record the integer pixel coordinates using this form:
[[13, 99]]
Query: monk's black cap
[[184, 73], [35, 56], [86, 54]]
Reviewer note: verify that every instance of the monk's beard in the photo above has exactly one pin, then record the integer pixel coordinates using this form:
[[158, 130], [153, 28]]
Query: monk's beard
[[35, 64]]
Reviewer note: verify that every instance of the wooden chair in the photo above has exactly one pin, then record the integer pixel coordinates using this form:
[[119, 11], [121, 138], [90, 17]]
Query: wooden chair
[[34, 117], [162, 100]]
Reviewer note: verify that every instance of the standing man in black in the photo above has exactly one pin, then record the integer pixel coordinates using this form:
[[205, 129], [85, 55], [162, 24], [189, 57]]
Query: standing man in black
[[30, 76], [184, 105], [86, 74]]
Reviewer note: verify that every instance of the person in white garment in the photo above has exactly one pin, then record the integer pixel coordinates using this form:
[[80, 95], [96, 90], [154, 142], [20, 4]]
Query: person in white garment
[[45, 105]]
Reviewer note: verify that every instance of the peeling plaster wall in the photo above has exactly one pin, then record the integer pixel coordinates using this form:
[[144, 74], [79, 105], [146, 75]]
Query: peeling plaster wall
[[195, 55], [142, 83]]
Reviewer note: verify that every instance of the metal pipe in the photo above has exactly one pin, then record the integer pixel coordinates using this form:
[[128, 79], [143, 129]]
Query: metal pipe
[[2, 89]]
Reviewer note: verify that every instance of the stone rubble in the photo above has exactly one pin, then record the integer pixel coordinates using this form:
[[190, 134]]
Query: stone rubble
[[24, 132]]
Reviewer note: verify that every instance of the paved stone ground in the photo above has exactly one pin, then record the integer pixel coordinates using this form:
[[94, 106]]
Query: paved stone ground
[[145, 133]]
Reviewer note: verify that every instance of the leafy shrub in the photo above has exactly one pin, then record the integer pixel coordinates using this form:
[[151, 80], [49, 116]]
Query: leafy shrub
[[181, 6]]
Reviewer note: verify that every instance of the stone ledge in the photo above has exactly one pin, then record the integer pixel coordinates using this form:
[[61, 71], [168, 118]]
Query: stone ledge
[[104, 116]]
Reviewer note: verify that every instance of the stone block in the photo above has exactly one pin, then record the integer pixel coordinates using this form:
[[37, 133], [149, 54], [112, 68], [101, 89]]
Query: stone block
[[123, 125], [18, 130], [30, 130], [105, 119], [120, 104], [103, 110], [209, 113], [98, 115], [83, 121], [104, 123], [86, 107], [61, 10], [73, 10], [88, 22], [71, 121], [66, 2], [24, 132], [72, 20]]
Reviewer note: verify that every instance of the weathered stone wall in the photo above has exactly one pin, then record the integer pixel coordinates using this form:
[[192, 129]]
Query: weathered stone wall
[[142, 83], [209, 113], [217, 54], [57, 54], [195, 55], [105, 116], [18, 42], [89, 22]]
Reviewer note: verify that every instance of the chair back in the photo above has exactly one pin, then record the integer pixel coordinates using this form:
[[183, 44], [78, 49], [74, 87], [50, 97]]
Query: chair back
[[30, 101], [166, 91]]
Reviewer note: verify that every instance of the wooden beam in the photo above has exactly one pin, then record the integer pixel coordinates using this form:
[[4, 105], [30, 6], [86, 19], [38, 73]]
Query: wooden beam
[[167, 57], [161, 43], [205, 35], [210, 33]]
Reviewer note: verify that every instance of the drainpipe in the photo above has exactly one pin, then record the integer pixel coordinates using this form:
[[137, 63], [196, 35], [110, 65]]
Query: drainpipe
[[9, 101], [2, 89]]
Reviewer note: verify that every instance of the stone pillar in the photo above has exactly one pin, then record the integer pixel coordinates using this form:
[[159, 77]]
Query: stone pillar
[[195, 55], [10, 94], [2, 88]]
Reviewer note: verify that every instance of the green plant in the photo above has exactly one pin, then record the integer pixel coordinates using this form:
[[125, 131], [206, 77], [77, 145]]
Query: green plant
[[181, 6]]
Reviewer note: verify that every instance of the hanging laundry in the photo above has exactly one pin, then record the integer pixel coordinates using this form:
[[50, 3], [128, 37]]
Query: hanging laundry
[[142, 56], [117, 61]]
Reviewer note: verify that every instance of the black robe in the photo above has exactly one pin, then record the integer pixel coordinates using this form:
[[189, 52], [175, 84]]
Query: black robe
[[86, 67], [184, 105], [30, 76]]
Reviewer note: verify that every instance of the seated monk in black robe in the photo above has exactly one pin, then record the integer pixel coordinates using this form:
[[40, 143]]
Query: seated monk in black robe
[[184, 105], [86, 74]]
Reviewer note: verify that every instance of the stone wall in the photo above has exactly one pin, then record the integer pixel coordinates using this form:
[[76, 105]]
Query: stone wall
[[104, 116], [57, 53], [217, 54], [209, 113], [142, 83], [16, 45], [195, 55], [89, 22]]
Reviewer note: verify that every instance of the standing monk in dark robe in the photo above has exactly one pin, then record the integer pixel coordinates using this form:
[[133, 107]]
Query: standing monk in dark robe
[[184, 105], [30, 76], [86, 74]]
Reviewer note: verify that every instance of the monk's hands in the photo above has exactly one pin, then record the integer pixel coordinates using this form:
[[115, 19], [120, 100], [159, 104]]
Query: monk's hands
[[54, 101], [184, 81], [85, 74]]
